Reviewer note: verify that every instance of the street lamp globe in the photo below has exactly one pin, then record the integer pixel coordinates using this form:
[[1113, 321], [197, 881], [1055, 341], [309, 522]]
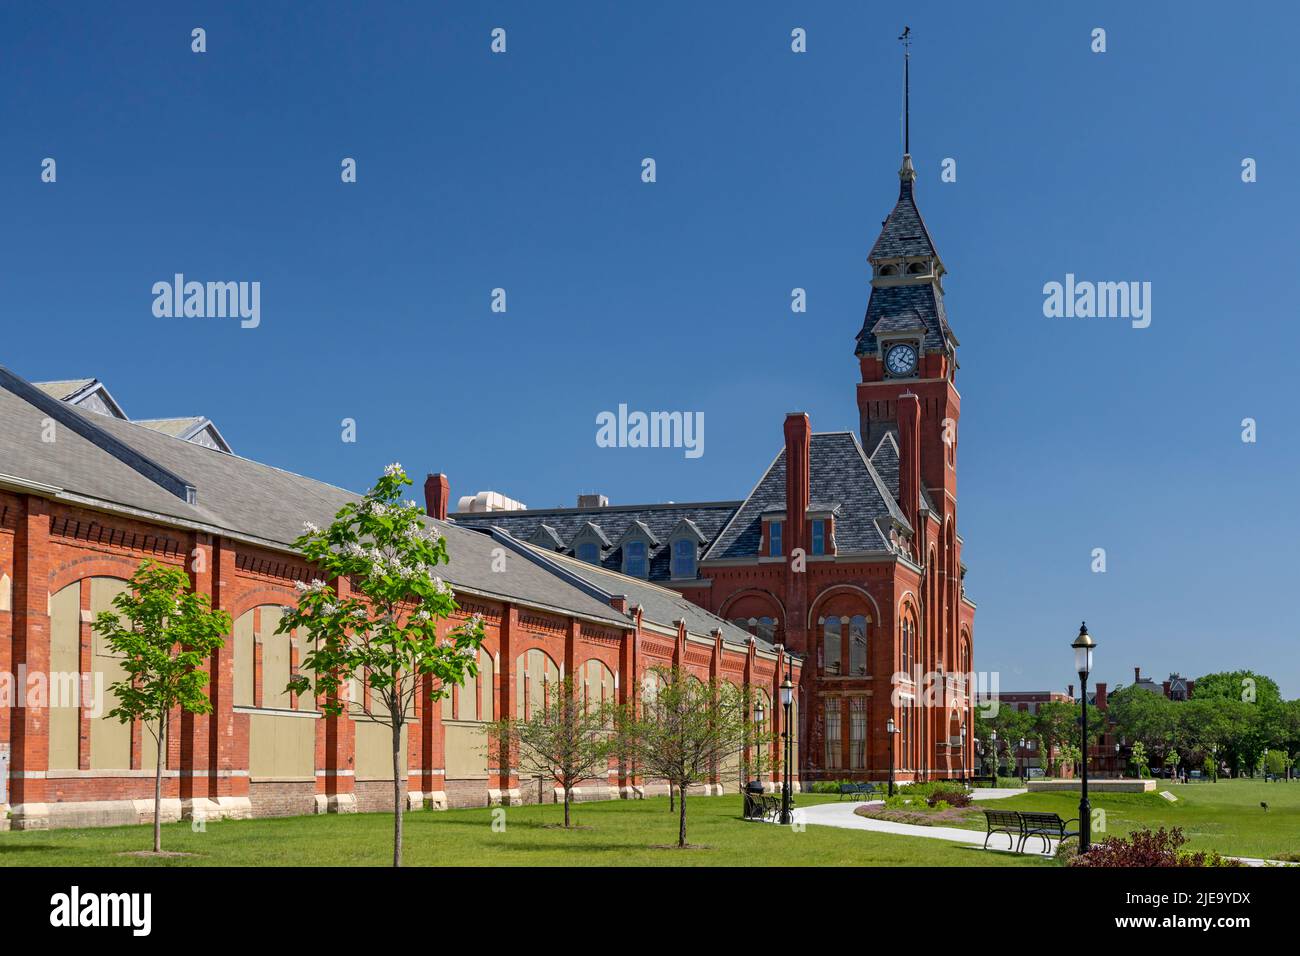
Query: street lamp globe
[[1083, 647], [787, 691]]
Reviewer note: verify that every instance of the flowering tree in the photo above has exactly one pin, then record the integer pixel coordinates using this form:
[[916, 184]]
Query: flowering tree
[[383, 633], [165, 633]]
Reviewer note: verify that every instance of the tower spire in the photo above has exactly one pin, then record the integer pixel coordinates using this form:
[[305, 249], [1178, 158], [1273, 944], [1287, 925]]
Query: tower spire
[[906, 37]]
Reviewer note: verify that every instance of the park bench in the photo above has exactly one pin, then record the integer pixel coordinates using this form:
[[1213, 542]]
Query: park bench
[[1019, 826], [1043, 826], [856, 790], [1003, 821]]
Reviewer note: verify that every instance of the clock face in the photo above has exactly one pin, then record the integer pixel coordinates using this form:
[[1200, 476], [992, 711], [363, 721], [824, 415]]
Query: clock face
[[901, 359]]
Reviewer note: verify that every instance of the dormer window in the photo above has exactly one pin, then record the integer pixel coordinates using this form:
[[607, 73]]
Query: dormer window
[[818, 536], [590, 543], [634, 559], [683, 558], [589, 551]]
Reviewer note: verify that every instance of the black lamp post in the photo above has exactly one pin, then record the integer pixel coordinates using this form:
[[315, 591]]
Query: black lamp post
[[993, 737], [1083, 647], [759, 714], [1021, 760], [787, 698], [963, 751], [891, 729]]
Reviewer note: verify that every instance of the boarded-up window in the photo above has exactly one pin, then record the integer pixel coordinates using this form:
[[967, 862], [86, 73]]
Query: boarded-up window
[[110, 739], [597, 684], [243, 660], [281, 748], [275, 660], [374, 754], [486, 709], [65, 659], [536, 677]]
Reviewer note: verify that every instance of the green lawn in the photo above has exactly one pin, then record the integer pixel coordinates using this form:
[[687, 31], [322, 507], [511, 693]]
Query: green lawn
[[620, 833], [1224, 816]]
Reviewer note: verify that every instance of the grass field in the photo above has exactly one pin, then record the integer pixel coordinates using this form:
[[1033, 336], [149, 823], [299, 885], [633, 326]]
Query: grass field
[[619, 833], [1224, 816]]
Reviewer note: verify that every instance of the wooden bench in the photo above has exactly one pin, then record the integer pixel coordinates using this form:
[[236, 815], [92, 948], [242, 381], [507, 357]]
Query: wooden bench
[[858, 790], [1044, 826], [1003, 821]]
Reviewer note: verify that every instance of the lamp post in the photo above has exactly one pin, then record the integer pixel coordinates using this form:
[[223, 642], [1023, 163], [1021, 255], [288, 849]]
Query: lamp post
[[963, 752], [759, 714], [1021, 761], [891, 729], [993, 736], [1083, 647], [787, 698]]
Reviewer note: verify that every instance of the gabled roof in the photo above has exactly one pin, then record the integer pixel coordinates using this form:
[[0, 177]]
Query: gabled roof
[[659, 605], [89, 393], [196, 428], [590, 529], [903, 233], [839, 472], [546, 537], [117, 465], [686, 528], [638, 529]]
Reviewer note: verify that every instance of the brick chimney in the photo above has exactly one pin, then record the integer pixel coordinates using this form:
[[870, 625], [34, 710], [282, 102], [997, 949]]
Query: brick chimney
[[1101, 696], [1137, 674], [909, 456], [1069, 690], [798, 444], [437, 492]]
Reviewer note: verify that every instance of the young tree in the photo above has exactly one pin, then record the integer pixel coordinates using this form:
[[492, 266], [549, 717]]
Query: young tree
[[685, 729], [567, 740], [384, 631], [164, 633]]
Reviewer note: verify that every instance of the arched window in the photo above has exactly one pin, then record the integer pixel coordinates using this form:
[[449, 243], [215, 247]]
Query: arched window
[[832, 648], [536, 678], [766, 629], [908, 635], [917, 268], [597, 684], [889, 270], [858, 646]]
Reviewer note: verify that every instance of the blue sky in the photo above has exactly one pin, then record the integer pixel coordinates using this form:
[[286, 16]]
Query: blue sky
[[522, 171]]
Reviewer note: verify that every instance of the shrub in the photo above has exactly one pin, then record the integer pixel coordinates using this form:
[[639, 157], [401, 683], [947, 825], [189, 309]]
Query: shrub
[[1147, 849], [1067, 850], [949, 798]]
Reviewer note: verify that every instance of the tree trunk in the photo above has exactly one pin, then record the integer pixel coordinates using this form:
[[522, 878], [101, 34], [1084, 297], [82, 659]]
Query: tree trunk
[[567, 799], [399, 795], [672, 797], [681, 823], [157, 787]]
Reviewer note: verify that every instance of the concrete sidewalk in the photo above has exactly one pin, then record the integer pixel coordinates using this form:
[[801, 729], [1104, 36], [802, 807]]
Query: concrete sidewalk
[[842, 815]]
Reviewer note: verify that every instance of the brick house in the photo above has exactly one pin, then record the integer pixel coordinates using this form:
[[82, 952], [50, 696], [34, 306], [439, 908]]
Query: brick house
[[846, 550], [86, 494]]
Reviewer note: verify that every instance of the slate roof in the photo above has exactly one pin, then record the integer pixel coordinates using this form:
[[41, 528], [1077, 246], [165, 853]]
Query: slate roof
[[840, 472], [92, 460], [893, 303], [903, 233], [659, 605], [613, 522]]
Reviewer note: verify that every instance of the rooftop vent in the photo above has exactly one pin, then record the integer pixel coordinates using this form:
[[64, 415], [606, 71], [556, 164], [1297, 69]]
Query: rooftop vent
[[488, 501]]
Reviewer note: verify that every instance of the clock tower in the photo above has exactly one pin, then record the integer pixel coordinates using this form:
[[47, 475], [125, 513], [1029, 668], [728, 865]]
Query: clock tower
[[907, 356]]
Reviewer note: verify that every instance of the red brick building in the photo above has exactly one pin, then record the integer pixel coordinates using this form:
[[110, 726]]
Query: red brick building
[[846, 550], [85, 495]]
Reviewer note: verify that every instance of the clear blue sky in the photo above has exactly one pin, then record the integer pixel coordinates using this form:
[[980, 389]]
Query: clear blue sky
[[774, 171]]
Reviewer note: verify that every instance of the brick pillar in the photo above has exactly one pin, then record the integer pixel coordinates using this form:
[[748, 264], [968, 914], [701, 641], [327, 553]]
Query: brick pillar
[[29, 726], [508, 633], [192, 730], [227, 732], [336, 747]]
